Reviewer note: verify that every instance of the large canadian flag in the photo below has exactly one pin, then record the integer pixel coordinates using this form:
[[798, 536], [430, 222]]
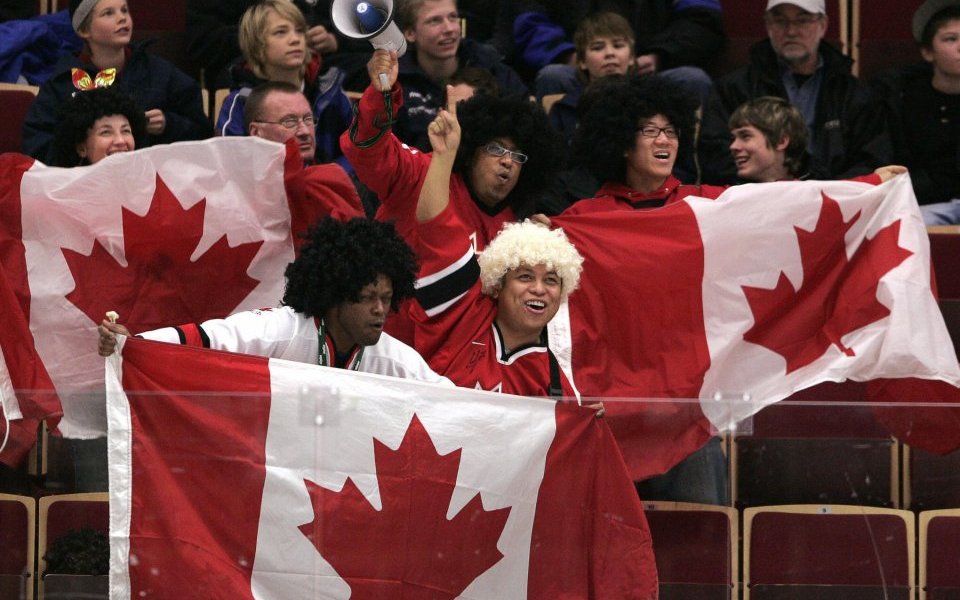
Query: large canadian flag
[[235, 476], [699, 314], [169, 234]]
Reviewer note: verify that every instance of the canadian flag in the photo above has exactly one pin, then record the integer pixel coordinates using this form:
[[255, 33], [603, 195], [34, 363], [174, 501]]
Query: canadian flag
[[728, 305], [236, 476], [169, 234]]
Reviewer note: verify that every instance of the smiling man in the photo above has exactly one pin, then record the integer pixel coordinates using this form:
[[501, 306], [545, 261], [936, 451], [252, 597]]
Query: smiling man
[[339, 291], [630, 138], [769, 140], [482, 320], [847, 133], [437, 51]]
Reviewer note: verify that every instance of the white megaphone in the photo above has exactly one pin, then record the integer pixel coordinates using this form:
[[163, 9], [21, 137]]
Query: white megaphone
[[369, 20]]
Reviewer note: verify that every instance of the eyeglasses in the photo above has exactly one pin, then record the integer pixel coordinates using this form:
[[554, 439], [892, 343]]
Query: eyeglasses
[[292, 122], [495, 149], [801, 22], [652, 131]]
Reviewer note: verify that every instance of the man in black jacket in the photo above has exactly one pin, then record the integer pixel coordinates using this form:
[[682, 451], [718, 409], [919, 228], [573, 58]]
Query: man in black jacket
[[848, 133]]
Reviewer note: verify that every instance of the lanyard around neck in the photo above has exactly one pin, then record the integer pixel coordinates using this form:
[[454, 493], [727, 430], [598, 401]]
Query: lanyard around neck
[[323, 356]]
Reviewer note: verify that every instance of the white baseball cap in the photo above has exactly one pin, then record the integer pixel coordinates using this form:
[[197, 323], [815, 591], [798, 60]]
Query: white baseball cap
[[811, 6]]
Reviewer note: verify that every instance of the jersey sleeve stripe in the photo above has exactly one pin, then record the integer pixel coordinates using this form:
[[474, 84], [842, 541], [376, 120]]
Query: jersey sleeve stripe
[[192, 334], [438, 294]]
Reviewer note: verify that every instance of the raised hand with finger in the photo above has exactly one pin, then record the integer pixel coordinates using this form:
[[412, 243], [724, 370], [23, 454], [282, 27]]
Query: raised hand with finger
[[444, 130]]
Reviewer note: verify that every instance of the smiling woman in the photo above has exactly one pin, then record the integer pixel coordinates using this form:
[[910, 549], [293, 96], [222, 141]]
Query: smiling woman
[[96, 124]]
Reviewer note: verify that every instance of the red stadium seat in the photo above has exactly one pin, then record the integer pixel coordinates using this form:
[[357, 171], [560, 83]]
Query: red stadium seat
[[696, 549], [15, 100], [828, 551], [17, 541], [881, 36], [939, 559]]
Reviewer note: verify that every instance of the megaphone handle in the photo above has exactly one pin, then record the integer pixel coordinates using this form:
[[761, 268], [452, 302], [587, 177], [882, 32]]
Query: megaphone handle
[[384, 82]]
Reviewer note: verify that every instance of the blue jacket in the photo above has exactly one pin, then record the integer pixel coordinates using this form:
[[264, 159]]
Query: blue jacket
[[31, 48], [150, 80]]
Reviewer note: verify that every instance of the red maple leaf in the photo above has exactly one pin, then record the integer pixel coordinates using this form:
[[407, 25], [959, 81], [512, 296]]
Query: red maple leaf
[[838, 296], [408, 549], [160, 285]]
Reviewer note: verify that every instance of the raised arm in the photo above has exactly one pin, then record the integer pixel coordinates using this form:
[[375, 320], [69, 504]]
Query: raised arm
[[444, 132]]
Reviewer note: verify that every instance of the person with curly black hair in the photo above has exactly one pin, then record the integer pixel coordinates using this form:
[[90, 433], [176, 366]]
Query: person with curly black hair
[[95, 124], [508, 151], [348, 276], [630, 139]]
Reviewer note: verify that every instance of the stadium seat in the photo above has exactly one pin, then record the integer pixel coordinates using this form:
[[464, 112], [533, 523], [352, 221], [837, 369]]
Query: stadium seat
[[939, 557], [820, 552], [219, 97], [820, 446], [881, 36], [17, 541], [15, 100], [944, 249], [696, 549], [549, 100], [58, 515], [930, 481]]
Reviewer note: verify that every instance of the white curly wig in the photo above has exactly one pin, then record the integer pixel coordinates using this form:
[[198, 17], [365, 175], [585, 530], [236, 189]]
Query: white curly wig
[[530, 244]]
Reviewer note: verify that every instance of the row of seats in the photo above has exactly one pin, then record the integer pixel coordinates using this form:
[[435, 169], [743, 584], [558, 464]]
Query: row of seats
[[809, 551], [787, 551]]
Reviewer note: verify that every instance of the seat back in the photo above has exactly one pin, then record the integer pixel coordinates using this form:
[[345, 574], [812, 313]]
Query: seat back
[[821, 445], [930, 481], [549, 100], [17, 542], [219, 97], [814, 546], [63, 512], [939, 556], [695, 546], [15, 100], [944, 249], [881, 35]]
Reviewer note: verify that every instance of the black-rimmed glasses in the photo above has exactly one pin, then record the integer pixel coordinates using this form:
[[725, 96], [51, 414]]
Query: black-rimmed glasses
[[652, 131]]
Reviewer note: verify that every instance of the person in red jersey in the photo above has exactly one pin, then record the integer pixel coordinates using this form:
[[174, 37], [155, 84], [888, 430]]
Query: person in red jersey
[[482, 318]]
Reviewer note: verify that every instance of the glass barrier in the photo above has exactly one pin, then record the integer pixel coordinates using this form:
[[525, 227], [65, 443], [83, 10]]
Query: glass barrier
[[316, 491]]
